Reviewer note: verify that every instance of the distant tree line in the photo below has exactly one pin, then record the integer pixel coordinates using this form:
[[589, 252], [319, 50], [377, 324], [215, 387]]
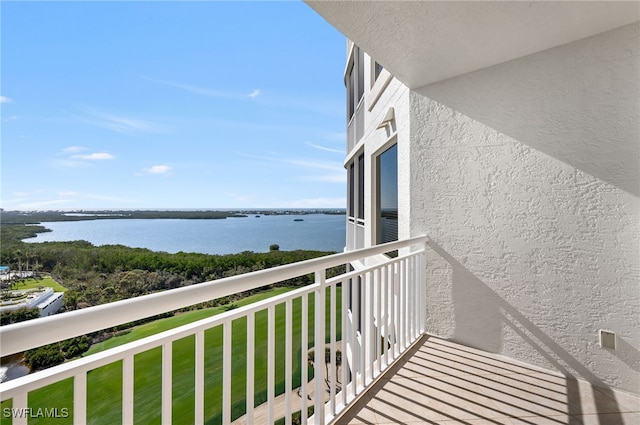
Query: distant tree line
[[18, 315], [56, 353], [36, 217]]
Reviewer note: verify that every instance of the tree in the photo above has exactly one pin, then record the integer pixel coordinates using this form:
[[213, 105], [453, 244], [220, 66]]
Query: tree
[[19, 256], [274, 247]]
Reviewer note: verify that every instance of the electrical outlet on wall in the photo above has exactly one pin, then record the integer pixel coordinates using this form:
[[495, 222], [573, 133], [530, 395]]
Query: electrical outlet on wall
[[607, 339]]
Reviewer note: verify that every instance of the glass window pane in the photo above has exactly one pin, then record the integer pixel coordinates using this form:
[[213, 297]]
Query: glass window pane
[[350, 190], [360, 66], [350, 93], [388, 195], [361, 186]]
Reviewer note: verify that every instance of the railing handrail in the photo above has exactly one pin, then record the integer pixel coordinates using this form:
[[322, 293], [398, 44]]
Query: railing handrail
[[34, 333]]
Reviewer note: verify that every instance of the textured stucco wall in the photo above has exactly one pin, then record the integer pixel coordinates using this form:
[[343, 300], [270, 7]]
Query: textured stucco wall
[[525, 175]]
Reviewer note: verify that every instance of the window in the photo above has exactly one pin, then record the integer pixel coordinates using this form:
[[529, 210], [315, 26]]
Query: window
[[351, 189], [360, 66], [387, 191], [361, 187], [350, 93], [355, 82], [355, 189]]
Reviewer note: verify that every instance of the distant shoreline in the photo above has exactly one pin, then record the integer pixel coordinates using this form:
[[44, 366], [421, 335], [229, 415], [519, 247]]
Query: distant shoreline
[[36, 217]]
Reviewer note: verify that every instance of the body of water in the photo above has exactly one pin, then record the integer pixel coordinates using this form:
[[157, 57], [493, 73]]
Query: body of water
[[12, 368], [321, 232]]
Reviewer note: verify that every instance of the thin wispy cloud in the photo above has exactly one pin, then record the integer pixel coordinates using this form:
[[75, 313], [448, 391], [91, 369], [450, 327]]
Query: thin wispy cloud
[[203, 91], [254, 94], [5, 99], [75, 159], [327, 178], [338, 136], [317, 164], [324, 148], [115, 199], [98, 156], [316, 203], [37, 205], [66, 198], [74, 149], [333, 170], [156, 170], [119, 123]]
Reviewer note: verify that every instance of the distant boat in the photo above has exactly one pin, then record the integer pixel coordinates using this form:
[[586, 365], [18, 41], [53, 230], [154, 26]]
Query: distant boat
[[257, 216], [298, 219]]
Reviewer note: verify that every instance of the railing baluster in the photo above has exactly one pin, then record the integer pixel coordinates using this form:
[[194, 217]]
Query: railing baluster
[[392, 310], [167, 372], [271, 360], [407, 310], [332, 374], [378, 328], [127, 390], [416, 275], [319, 321], [344, 362], [372, 324], [304, 361], [423, 292], [288, 363], [411, 298], [251, 341], [364, 328], [396, 307], [19, 406], [199, 390], [402, 311], [384, 273], [355, 328], [405, 305], [226, 372], [80, 398]]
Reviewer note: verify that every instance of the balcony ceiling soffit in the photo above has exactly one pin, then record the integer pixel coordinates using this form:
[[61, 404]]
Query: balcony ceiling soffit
[[422, 42]]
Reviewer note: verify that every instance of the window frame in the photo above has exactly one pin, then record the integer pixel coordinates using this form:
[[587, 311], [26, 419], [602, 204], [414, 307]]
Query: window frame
[[379, 219]]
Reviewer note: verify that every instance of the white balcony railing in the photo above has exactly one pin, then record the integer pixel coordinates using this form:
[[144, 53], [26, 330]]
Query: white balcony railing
[[371, 315]]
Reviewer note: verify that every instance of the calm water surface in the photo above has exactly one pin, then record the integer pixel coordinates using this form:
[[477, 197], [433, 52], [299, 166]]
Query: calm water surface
[[320, 232]]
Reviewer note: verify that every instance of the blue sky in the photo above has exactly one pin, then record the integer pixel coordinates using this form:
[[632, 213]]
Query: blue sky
[[170, 105]]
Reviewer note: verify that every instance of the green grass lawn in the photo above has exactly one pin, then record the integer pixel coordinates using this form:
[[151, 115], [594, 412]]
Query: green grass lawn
[[45, 281], [104, 399]]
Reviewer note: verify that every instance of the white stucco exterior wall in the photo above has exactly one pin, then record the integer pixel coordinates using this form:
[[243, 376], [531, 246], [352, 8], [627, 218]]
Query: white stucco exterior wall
[[525, 175]]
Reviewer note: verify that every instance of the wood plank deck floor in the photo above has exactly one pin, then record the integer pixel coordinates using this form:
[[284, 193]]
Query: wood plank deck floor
[[441, 382]]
